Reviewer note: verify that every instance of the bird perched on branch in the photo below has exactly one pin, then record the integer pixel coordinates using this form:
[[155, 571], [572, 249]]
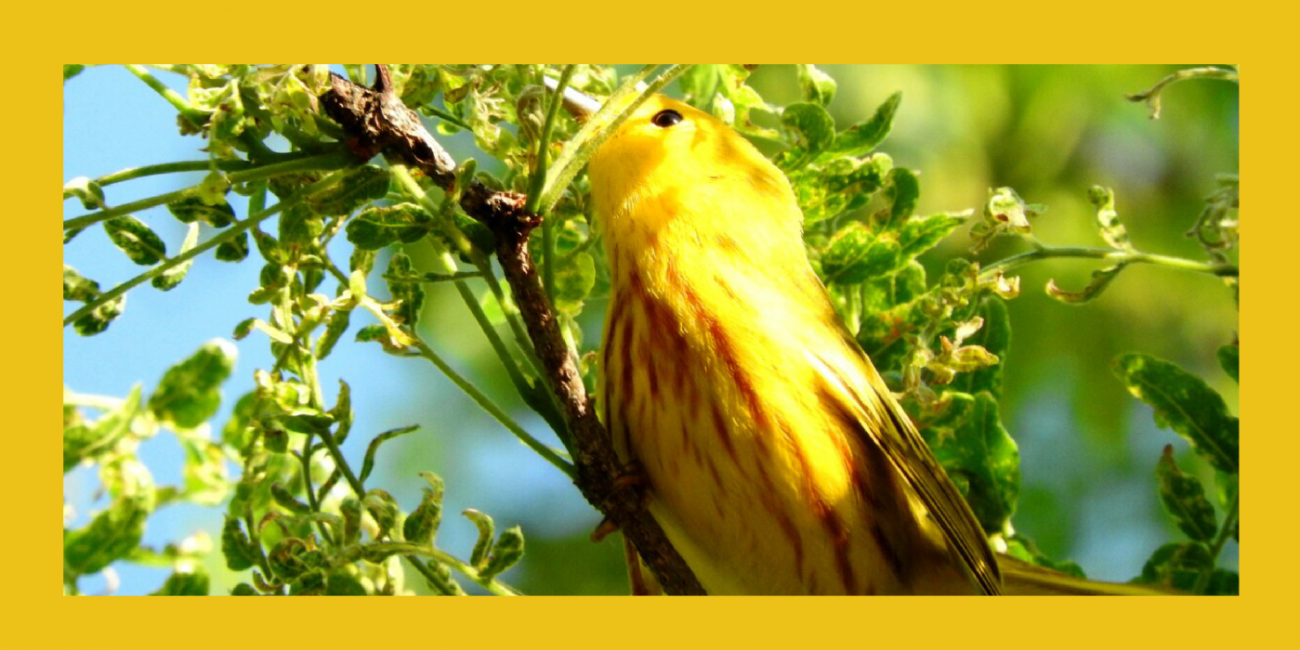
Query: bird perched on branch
[[777, 460]]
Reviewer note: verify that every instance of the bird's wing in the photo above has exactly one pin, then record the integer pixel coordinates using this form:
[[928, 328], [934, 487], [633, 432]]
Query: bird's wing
[[887, 427]]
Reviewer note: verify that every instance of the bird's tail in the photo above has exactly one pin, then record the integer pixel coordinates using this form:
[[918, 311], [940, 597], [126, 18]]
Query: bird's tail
[[1024, 579]]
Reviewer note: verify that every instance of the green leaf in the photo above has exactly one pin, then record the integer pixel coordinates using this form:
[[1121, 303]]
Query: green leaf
[[382, 508], [173, 276], [192, 583], [1101, 278], [1184, 403], [236, 546], [1229, 360], [1177, 565], [903, 188], [860, 139], [368, 465], [82, 441], [856, 254], [575, 276], [1184, 498], [1223, 583], [360, 186], [813, 129], [99, 318], [411, 294], [506, 552], [817, 86], [486, 531], [135, 239], [89, 192], [334, 329], [1112, 229], [421, 526], [71, 70], [982, 452], [995, 337], [110, 536], [193, 209], [233, 250], [920, 235], [190, 391], [377, 227], [76, 287]]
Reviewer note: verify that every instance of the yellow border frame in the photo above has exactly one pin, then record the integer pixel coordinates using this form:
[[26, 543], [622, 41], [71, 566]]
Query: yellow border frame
[[1102, 31]]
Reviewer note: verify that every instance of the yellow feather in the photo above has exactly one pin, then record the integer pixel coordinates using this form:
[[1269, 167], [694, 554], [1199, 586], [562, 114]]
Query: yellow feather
[[778, 461]]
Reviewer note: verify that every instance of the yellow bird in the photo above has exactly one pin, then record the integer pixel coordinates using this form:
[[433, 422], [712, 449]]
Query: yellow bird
[[778, 461]]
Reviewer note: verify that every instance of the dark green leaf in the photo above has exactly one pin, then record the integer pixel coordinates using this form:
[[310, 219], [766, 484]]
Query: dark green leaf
[[173, 276], [813, 129], [1229, 360], [194, 583], [135, 239], [421, 526], [1185, 404], [382, 508], [71, 70], [192, 209], [236, 546], [1184, 499], [110, 536], [979, 455], [507, 551], [342, 584], [860, 139], [233, 250], [1223, 583], [411, 294], [1177, 565], [903, 189], [377, 227], [76, 287], [190, 391], [856, 254], [99, 318]]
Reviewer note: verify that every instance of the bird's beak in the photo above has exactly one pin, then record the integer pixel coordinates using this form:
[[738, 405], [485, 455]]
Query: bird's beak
[[580, 105]]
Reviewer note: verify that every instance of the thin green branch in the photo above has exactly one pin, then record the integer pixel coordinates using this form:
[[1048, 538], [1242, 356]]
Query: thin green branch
[[225, 236], [538, 182], [1112, 255], [133, 173], [484, 402], [1151, 97], [447, 117], [598, 128], [324, 162], [194, 116]]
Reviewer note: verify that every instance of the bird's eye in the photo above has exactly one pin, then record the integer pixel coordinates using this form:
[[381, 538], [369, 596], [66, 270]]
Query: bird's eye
[[666, 118]]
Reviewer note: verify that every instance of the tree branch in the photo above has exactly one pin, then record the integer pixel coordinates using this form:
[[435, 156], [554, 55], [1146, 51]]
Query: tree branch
[[377, 121]]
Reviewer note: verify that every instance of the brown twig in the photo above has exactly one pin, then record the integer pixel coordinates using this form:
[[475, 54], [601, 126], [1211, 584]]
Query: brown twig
[[378, 122]]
